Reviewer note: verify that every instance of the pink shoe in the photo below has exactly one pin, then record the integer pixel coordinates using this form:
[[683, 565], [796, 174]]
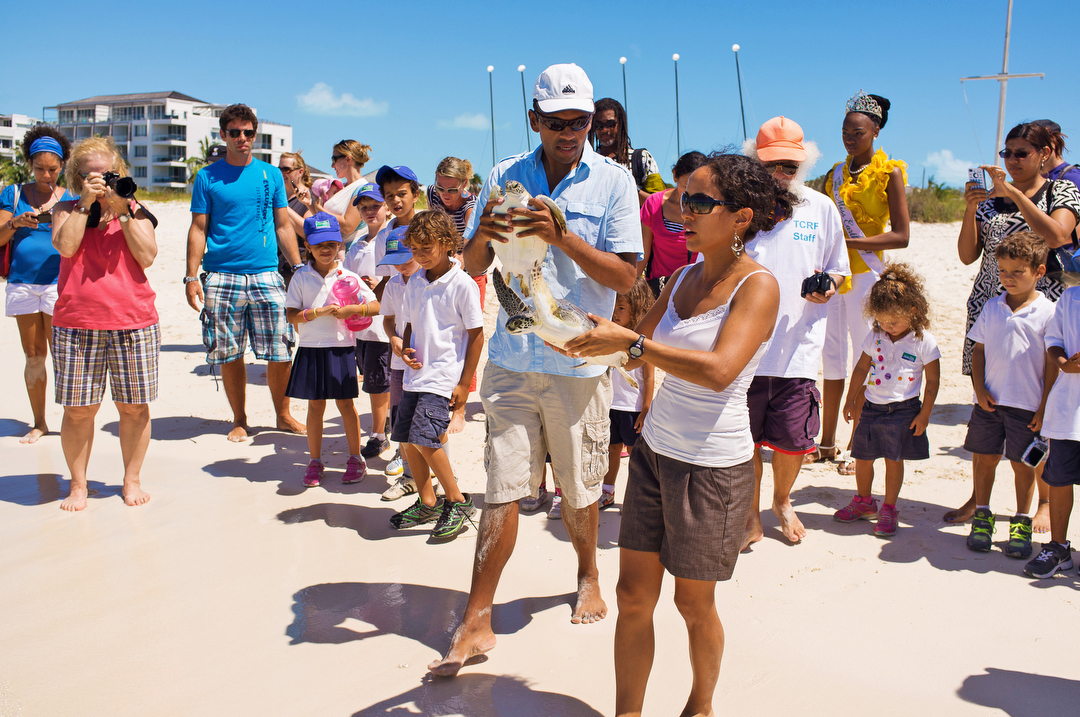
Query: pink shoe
[[886, 522], [313, 476], [858, 509], [355, 470]]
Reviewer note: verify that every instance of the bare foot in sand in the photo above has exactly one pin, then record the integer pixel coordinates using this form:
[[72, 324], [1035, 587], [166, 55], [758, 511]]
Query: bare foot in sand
[[76, 500], [290, 424], [1041, 522], [133, 494], [35, 433], [239, 433], [964, 513], [753, 533], [590, 606], [790, 524], [457, 422], [467, 647]]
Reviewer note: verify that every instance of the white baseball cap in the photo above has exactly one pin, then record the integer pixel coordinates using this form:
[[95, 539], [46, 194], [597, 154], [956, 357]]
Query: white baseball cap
[[563, 87]]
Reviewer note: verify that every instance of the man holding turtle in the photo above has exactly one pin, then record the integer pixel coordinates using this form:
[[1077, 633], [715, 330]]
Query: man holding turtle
[[536, 401]]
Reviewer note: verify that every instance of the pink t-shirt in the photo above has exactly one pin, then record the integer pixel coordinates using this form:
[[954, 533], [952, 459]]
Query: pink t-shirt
[[668, 247], [102, 286]]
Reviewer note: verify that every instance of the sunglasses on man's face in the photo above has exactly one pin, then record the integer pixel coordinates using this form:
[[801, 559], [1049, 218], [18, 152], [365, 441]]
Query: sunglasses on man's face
[[1009, 154], [234, 133], [789, 170], [702, 203], [558, 125], [606, 124]]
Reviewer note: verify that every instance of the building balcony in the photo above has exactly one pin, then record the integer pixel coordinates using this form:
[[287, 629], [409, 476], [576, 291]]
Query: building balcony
[[176, 161], [169, 138]]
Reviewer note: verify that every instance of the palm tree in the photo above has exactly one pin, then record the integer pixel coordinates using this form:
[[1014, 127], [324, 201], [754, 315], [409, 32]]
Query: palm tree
[[199, 161], [14, 171]]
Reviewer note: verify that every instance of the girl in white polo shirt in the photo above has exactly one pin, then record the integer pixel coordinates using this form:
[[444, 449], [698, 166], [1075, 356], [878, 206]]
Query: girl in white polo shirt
[[895, 356]]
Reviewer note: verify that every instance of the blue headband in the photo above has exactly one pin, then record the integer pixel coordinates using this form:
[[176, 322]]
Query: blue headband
[[46, 144]]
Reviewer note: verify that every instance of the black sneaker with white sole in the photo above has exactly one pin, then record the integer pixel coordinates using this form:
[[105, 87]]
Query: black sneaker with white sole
[[1052, 558], [453, 520]]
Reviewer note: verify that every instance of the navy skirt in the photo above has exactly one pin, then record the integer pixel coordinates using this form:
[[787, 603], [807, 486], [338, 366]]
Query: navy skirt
[[325, 373], [884, 431]]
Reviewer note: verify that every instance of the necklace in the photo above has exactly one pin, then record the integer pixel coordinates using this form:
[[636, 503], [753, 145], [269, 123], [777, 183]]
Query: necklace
[[851, 168], [38, 209]]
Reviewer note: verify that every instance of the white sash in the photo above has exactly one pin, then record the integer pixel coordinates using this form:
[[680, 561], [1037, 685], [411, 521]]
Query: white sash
[[850, 225]]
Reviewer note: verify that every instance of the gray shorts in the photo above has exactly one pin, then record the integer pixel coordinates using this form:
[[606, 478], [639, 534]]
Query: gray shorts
[[531, 415], [694, 516], [1005, 430]]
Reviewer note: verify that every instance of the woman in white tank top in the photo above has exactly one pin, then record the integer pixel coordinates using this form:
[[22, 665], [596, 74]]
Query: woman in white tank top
[[691, 485]]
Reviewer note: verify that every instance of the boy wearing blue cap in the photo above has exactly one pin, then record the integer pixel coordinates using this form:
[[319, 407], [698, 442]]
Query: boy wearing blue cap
[[400, 188], [321, 297]]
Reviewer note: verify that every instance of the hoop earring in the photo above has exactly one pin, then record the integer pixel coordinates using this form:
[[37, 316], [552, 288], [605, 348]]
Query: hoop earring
[[737, 246]]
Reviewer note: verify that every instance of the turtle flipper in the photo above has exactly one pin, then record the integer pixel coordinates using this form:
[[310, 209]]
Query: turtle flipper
[[556, 213], [496, 192], [629, 379], [508, 298]]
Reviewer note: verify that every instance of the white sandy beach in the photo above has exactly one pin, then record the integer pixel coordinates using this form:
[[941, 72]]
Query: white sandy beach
[[236, 591]]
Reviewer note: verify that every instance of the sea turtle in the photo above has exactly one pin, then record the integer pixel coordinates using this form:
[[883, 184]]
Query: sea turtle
[[520, 254], [556, 321]]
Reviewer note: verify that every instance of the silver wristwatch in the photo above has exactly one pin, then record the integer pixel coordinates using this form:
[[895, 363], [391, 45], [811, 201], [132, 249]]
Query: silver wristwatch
[[190, 280]]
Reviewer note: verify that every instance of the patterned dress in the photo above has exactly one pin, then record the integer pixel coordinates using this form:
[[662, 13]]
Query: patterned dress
[[998, 218]]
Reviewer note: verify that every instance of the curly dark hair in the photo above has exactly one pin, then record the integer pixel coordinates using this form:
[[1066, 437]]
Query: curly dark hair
[[237, 113], [746, 182], [622, 137], [433, 226], [640, 298], [900, 291], [44, 130], [1028, 247]]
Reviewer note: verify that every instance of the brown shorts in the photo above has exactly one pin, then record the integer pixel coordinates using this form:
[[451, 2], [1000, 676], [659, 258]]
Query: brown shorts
[[694, 516]]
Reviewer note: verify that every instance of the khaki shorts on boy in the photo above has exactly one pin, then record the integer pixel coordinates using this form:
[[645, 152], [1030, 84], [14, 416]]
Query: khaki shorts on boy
[[531, 415]]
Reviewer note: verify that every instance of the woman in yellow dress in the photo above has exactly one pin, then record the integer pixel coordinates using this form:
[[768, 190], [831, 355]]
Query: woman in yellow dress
[[868, 189]]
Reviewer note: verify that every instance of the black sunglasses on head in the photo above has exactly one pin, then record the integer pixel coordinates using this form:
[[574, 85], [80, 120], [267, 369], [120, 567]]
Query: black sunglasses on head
[[234, 133], [702, 203]]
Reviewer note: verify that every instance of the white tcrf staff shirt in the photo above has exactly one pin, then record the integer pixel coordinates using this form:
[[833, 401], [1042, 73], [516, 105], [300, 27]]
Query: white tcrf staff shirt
[[308, 290], [1062, 418], [1015, 350], [393, 304], [896, 368], [441, 313]]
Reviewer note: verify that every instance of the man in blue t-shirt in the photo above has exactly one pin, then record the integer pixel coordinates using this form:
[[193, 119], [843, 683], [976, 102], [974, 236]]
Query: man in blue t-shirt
[[239, 218]]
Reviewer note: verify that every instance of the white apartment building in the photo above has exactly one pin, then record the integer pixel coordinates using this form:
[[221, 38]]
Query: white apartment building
[[12, 129], [157, 131]]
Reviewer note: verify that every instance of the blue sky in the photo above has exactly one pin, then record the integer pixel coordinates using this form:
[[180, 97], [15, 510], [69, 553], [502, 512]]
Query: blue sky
[[411, 79]]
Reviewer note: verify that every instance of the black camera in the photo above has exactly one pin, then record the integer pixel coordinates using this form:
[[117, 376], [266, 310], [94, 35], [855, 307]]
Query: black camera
[[124, 186], [818, 283]]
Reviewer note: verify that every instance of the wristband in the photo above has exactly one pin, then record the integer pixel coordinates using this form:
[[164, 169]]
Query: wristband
[[297, 267], [190, 280], [80, 210]]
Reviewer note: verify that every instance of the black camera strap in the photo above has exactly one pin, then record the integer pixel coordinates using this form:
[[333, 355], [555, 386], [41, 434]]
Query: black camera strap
[[94, 217]]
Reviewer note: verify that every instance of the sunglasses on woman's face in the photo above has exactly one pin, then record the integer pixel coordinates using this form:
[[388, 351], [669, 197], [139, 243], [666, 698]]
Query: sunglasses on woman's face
[[446, 190], [789, 170], [606, 124], [702, 203], [234, 133], [1009, 154], [558, 125], [335, 157]]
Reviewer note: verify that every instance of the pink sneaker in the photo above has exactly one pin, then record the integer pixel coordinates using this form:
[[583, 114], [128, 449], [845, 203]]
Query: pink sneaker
[[886, 522], [355, 470], [858, 509], [313, 476]]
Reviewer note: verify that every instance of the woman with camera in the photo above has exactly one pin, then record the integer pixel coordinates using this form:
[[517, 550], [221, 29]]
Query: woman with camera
[[868, 189], [105, 322], [26, 233], [1030, 202]]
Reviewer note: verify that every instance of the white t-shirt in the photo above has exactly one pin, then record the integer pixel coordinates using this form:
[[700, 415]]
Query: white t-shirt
[[441, 313], [896, 369], [625, 397], [811, 240], [1062, 418], [393, 305], [1015, 350], [308, 290], [361, 261]]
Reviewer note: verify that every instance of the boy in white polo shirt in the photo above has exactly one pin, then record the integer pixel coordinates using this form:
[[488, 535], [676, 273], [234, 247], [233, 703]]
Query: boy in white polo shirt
[[1012, 380], [1062, 426], [443, 341]]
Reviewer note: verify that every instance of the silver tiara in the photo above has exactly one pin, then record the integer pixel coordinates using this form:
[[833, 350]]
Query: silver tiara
[[863, 102]]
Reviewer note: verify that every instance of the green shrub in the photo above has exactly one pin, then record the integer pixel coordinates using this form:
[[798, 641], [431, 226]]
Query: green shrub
[[935, 203]]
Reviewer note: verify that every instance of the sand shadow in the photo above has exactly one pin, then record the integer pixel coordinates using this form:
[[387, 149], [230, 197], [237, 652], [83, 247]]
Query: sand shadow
[[12, 427], [40, 488], [474, 695], [179, 428], [256, 375], [183, 348], [422, 613], [607, 533], [950, 414], [1021, 694], [368, 523]]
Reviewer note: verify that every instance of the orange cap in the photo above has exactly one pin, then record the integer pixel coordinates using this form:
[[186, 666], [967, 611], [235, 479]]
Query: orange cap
[[780, 138]]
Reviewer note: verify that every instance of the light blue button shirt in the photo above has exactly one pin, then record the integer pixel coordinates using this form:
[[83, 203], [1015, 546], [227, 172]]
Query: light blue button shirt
[[600, 202]]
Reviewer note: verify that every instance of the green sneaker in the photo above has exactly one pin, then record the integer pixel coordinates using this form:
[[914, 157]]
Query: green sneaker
[[1019, 545], [982, 531], [453, 519], [415, 514]]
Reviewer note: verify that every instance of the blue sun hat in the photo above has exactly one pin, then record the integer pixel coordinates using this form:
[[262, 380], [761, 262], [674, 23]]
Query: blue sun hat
[[396, 251], [322, 227]]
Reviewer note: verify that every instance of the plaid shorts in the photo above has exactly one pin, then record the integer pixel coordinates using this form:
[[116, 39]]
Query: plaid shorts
[[83, 357], [242, 305]]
